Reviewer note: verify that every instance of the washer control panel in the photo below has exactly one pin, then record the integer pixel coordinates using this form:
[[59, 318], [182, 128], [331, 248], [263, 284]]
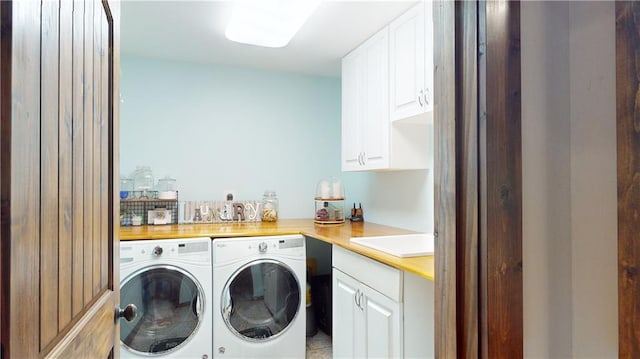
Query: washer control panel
[[192, 249]]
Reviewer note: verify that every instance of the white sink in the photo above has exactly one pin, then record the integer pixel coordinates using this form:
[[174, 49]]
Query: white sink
[[404, 245]]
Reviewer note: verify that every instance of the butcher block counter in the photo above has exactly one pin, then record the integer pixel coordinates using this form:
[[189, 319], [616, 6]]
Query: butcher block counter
[[334, 234]]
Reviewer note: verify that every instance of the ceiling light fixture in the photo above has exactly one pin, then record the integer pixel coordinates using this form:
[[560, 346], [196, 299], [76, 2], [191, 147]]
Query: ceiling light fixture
[[268, 23]]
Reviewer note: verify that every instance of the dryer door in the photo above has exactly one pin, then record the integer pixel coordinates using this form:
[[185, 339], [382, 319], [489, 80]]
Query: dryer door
[[170, 309], [261, 300]]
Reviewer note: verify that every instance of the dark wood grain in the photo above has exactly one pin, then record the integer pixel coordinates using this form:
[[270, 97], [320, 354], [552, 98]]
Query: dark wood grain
[[89, 148], [467, 177], [24, 286], [49, 172], [97, 148], [501, 302], [49, 306], [445, 178], [105, 149], [6, 35], [77, 278], [628, 152], [65, 169]]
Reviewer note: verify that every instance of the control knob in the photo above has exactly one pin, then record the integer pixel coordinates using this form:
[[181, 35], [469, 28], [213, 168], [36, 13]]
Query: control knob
[[262, 247], [157, 251]]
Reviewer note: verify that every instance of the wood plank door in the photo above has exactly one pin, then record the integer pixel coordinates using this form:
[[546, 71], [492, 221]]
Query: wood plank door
[[59, 163]]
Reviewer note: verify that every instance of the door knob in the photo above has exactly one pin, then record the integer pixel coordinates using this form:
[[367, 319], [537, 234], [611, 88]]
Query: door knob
[[128, 313]]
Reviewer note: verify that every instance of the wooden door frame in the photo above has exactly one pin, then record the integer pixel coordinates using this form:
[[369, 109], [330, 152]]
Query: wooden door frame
[[628, 163], [477, 175]]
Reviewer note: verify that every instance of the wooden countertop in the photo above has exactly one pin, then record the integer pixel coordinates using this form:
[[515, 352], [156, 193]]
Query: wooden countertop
[[335, 234]]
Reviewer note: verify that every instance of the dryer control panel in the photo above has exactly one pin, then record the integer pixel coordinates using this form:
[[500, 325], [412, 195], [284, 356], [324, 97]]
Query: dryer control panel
[[232, 249]]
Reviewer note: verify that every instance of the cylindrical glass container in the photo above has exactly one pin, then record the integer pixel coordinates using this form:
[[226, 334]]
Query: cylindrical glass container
[[126, 187], [269, 206], [166, 184], [329, 202], [143, 178]]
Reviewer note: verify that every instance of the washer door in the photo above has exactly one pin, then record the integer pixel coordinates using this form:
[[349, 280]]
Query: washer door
[[261, 300], [170, 308]]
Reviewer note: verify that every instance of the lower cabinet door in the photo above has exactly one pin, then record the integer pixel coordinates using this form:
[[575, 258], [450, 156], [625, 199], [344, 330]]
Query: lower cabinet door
[[382, 320], [366, 323], [347, 315]]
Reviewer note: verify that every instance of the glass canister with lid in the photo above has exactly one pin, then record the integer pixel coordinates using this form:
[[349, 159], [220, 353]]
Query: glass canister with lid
[[143, 178], [269, 206]]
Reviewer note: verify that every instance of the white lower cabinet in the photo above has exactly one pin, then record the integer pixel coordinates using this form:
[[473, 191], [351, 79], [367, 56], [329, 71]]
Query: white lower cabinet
[[379, 311], [366, 323]]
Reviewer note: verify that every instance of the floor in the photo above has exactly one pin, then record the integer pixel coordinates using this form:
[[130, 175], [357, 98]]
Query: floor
[[319, 346]]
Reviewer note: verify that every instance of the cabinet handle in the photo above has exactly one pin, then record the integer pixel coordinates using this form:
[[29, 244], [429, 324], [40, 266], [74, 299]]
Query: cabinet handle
[[426, 97], [361, 305], [420, 98], [356, 298]]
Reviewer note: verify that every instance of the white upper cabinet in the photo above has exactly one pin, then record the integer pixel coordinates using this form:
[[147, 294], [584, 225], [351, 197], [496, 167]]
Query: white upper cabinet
[[387, 96], [365, 103], [352, 116], [411, 63]]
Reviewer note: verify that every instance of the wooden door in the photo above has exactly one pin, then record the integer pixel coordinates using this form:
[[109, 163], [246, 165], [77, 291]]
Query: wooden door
[[59, 160]]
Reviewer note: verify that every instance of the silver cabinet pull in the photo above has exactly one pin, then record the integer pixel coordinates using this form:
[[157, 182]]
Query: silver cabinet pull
[[426, 97], [420, 98]]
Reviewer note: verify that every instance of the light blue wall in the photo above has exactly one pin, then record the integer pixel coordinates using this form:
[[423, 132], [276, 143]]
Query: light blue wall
[[215, 128]]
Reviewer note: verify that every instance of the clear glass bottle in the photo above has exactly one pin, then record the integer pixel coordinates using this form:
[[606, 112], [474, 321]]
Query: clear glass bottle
[[269, 206]]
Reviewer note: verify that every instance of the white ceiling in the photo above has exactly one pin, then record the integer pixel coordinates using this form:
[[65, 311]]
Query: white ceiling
[[194, 31]]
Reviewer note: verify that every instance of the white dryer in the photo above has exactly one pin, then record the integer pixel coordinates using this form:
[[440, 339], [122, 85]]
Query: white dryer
[[259, 306], [170, 283]]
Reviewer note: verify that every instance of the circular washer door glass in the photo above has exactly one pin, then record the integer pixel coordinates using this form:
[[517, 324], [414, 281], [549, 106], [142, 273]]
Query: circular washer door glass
[[261, 300], [170, 308]]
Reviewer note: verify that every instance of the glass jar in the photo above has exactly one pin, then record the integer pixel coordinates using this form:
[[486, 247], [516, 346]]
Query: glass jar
[[143, 178], [269, 206], [166, 184], [126, 187]]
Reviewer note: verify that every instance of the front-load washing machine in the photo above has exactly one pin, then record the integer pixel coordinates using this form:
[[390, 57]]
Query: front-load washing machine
[[259, 306], [170, 283]]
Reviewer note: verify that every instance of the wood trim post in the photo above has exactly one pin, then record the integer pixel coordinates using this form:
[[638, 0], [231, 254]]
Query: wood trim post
[[628, 142], [467, 177], [501, 302], [445, 179]]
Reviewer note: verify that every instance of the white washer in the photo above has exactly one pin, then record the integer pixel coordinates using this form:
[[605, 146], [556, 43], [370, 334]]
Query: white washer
[[170, 282], [259, 302]]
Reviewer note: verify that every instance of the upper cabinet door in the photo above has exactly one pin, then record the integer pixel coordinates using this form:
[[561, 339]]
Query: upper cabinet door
[[352, 107], [365, 105], [407, 63], [428, 56], [376, 113]]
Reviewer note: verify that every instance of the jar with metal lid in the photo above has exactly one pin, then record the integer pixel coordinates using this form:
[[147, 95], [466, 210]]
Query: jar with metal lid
[[269, 206]]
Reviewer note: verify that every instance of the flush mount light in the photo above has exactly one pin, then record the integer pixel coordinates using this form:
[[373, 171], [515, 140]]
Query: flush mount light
[[268, 23]]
